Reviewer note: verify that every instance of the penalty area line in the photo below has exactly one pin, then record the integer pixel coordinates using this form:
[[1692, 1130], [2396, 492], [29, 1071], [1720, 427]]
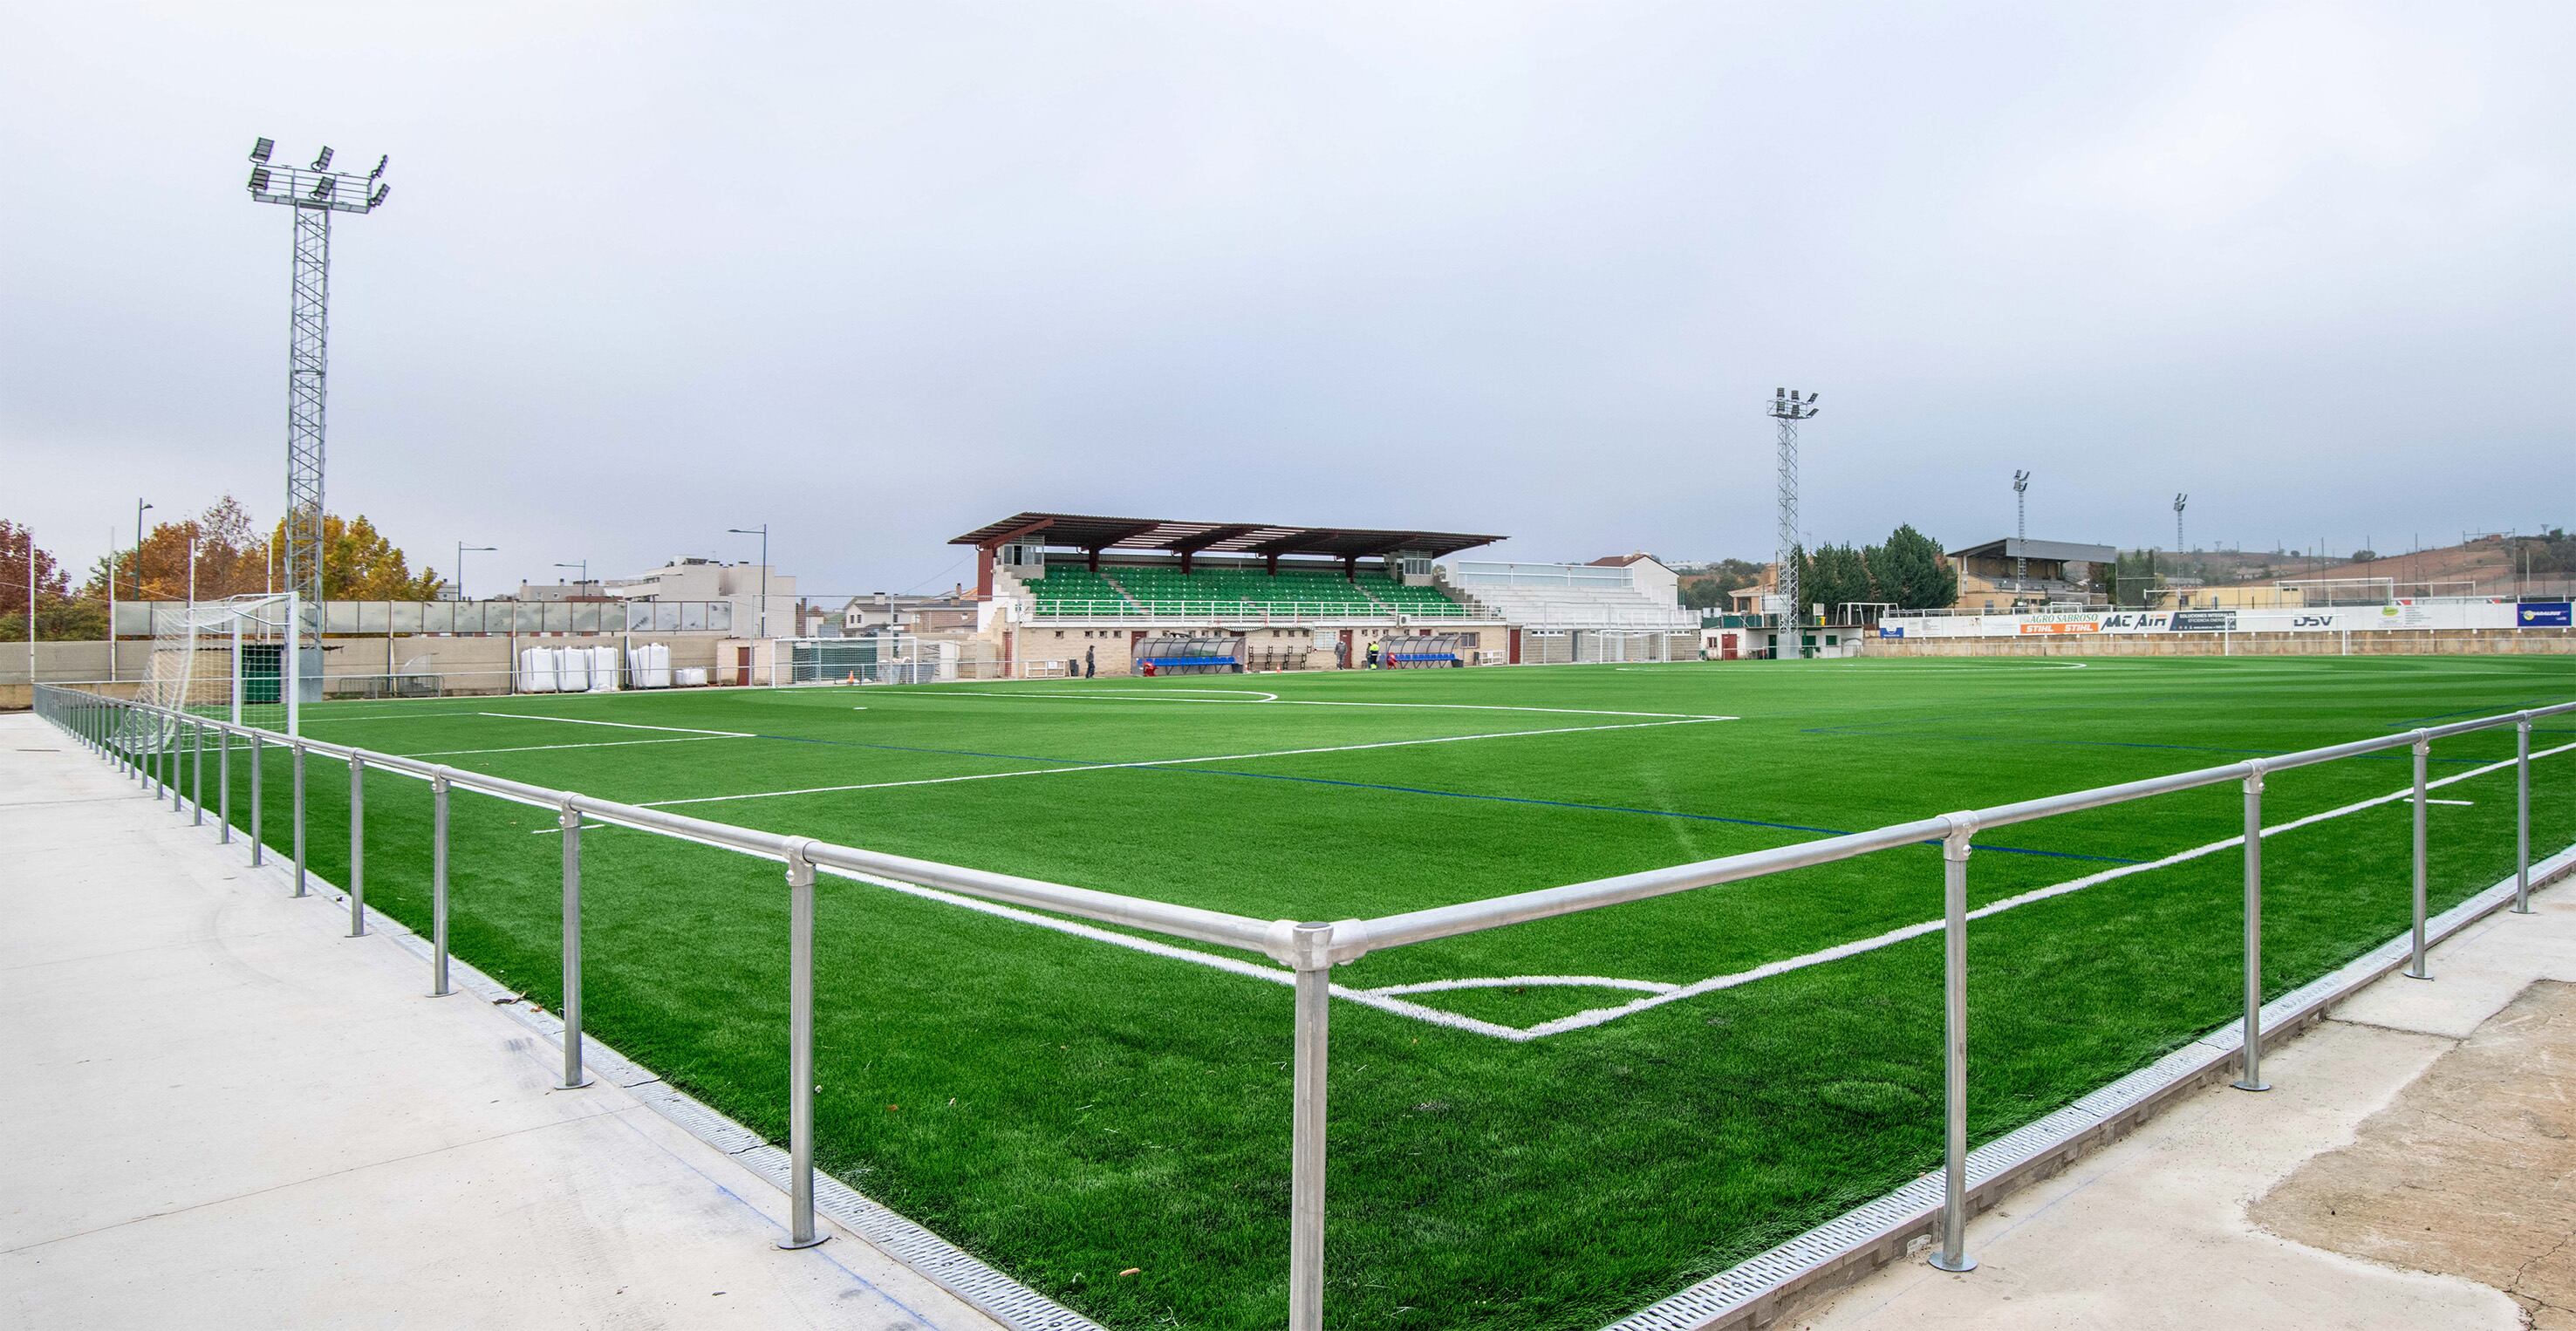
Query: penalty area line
[[621, 725], [1168, 762], [591, 744]]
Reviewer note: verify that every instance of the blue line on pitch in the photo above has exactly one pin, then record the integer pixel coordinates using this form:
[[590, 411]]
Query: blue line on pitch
[[1149, 765]]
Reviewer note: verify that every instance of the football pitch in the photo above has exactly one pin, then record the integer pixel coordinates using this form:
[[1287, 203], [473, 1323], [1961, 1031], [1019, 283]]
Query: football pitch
[[1545, 1125]]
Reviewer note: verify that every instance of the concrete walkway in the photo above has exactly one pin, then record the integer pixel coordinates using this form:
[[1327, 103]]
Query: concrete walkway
[[2168, 1228], [217, 1111]]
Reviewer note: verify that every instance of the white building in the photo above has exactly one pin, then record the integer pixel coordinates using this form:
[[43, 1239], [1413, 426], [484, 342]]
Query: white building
[[691, 578]]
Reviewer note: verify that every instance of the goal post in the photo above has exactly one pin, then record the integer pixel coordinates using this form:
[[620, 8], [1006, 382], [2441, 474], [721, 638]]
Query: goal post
[[224, 660]]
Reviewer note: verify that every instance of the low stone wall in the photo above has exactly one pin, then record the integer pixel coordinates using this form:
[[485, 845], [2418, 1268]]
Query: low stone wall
[[2393, 642]]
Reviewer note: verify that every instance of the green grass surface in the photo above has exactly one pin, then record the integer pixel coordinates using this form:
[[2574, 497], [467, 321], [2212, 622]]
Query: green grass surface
[[1068, 1109]]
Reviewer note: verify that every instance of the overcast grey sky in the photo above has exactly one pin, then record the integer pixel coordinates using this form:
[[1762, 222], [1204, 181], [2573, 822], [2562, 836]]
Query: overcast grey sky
[[880, 273]]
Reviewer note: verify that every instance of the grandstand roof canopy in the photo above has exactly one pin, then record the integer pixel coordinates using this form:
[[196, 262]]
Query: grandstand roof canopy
[[2014, 547], [1077, 531]]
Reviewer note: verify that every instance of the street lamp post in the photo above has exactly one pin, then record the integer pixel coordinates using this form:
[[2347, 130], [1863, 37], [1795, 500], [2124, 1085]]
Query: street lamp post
[[139, 506], [461, 549], [584, 566], [761, 531]]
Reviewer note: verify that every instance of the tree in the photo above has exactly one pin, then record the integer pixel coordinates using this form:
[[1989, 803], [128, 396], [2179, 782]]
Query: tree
[[360, 564], [1909, 571], [231, 559], [1708, 591], [59, 615], [234, 559], [1837, 576]]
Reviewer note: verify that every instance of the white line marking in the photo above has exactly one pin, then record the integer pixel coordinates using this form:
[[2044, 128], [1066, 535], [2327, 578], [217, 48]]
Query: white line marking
[[2428, 800], [1272, 699], [619, 725], [1600, 1016], [1525, 981], [1170, 762], [595, 744]]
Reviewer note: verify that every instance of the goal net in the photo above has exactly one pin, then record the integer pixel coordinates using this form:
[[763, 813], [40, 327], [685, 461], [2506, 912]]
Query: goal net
[[220, 659]]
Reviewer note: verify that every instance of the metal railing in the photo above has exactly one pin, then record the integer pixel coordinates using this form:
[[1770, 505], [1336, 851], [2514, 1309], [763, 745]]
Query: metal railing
[[147, 743], [1219, 607]]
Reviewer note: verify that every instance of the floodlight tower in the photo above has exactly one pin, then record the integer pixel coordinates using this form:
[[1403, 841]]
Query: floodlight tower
[[2179, 501], [1789, 409], [2021, 520], [314, 192]]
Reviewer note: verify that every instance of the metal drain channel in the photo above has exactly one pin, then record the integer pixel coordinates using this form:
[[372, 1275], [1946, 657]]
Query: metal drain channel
[[1757, 1290]]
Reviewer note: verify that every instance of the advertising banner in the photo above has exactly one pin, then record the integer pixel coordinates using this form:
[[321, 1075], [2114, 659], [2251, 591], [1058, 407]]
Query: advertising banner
[[2544, 615], [2204, 621]]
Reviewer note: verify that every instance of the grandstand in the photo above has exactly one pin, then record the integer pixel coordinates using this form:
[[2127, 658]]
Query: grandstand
[[1060, 590], [1626, 608]]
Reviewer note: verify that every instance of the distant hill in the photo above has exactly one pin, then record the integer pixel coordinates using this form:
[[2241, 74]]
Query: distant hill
[[2488, 565]]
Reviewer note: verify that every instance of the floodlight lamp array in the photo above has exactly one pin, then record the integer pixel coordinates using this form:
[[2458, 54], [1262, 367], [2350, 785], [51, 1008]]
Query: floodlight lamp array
[[316, 186], [1788, 405]]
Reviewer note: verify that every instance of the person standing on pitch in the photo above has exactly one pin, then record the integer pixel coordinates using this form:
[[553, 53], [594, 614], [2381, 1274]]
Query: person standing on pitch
[[1087, 665]]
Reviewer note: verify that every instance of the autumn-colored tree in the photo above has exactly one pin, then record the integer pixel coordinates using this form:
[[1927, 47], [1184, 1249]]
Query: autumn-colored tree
[[234, 558], [231, 559], [359, 564], [59, 615]]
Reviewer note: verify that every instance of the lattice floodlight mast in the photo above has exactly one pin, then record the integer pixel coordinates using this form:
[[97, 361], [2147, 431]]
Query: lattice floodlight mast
[[2179, 501], [2021, 520], [1789, 409], [314, 193]]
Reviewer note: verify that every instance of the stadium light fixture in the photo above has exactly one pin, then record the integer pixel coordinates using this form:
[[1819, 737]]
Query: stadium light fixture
[[1788, 407], [314, 193], [2021, 520], [382, 160]]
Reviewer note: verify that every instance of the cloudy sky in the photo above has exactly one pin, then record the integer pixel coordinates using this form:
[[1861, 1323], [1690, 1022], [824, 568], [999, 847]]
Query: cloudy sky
[[877, 274]]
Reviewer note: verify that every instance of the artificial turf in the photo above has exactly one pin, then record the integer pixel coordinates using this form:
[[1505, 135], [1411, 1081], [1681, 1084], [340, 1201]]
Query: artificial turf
[[1069, 1110]]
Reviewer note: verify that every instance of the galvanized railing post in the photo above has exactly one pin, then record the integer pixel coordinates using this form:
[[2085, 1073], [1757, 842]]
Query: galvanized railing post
[[2522, 814], [298, 746], [1951, 1252], [2415, 956], [224, 787], [2252, 1080], [800, 1049], [1314, 943], [357, 845], [438, 987], [258, 848], [569, 819], [197, 773]]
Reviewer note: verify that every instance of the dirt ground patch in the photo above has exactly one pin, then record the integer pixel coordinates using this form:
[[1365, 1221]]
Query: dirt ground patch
[[2471, 1172]]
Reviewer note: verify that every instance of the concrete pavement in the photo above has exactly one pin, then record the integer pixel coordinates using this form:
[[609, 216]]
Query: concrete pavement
[[218, 1111], [2233, 1209]]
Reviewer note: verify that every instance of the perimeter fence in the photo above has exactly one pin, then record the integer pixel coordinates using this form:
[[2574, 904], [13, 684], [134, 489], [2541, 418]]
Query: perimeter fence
[[167, 751]]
